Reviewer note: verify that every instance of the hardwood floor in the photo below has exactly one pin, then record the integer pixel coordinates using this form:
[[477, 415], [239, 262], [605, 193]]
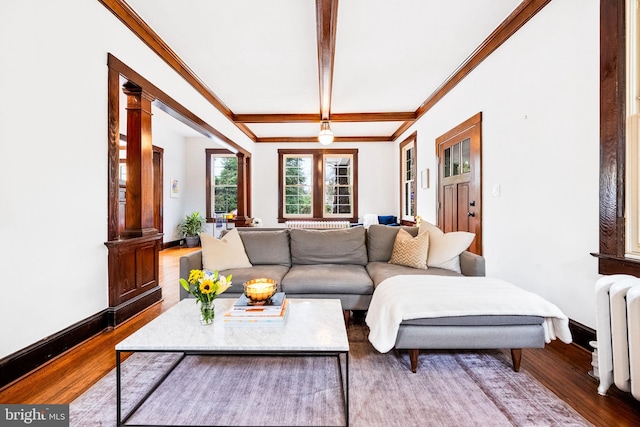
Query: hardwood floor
[[561, 368]]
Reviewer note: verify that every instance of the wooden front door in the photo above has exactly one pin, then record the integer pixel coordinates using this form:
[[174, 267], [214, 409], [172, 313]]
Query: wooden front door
[[460, 185]]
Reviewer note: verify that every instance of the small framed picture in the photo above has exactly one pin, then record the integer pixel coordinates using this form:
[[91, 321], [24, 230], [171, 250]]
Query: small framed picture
[[175, 188]]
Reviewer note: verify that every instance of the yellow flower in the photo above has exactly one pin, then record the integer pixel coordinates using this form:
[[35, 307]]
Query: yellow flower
[[207, 286], [195, 276]]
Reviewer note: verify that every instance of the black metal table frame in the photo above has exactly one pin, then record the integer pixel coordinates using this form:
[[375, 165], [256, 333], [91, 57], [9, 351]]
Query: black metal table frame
[[121, 420]]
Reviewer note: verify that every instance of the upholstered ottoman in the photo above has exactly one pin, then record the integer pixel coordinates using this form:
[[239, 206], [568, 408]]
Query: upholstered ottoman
[[471, 333], [414, 312]]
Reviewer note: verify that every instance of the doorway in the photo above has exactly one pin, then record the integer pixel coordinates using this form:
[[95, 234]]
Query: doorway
[[158, 188], [460, 180]]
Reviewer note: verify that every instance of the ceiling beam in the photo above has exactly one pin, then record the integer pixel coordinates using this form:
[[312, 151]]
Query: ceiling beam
[[314, 139], [315, 118], [326, 22]]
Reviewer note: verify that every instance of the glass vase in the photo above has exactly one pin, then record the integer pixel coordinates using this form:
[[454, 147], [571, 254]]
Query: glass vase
[[207, 312]]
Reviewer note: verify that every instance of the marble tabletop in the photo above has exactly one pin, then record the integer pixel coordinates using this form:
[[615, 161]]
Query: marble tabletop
[[312, 325]]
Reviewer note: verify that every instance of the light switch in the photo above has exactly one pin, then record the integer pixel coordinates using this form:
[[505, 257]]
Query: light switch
[[496, 190]]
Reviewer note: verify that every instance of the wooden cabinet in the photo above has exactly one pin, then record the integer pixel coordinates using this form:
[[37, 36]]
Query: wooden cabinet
[[133, 276]]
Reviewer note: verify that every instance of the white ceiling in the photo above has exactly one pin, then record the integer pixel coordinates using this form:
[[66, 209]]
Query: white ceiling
[[261, 56]]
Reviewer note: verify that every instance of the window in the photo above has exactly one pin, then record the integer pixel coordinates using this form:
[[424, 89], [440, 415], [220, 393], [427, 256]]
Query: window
[[337, 185], [298, 188], [222, 182], [408, 178], [615, 188], [318, 184]]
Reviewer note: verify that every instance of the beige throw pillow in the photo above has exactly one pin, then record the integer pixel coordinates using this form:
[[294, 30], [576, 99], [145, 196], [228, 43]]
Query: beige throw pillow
[[445, 248], [225, 253], [410, 251]]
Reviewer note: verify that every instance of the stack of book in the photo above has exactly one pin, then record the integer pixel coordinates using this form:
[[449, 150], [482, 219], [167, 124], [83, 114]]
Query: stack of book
[[244, 314]]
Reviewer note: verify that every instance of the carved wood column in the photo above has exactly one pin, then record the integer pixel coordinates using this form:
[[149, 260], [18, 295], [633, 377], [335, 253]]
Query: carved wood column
[[139, 208], [133, 252]]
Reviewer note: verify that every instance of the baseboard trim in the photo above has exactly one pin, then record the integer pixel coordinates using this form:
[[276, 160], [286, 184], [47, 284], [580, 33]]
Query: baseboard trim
[[117, 315], [174, 243], [582, 334], [22, 362]]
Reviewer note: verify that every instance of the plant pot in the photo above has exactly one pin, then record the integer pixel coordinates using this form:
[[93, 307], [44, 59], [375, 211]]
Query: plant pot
[[192, 241]]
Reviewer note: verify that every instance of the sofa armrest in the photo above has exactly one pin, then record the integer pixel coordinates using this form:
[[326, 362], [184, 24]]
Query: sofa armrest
[[192, 261], [472, 264]]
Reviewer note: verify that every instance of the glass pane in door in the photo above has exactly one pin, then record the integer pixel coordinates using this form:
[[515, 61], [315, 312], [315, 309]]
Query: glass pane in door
[[455, 159], [466, 156]]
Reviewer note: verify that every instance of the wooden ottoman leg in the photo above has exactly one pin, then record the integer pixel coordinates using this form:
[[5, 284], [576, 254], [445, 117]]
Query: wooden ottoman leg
[[516, 357], [347, 315], [413, 357]]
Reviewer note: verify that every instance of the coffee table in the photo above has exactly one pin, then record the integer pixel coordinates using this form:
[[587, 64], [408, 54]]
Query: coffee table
[[314, 327]]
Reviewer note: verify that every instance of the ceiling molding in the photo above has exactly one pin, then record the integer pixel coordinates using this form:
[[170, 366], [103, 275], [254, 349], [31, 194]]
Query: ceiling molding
[[169, 105], [136, 24], [314, 139], [326, 22], [277, 118], [315, 118], [520, 16]]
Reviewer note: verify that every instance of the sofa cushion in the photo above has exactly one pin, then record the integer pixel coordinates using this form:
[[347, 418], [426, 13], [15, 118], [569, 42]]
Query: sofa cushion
[[378, 271], [335, 246], [267, 247], [327, 279], [410, 251], [445, 248], [381, 238], [225, 253]]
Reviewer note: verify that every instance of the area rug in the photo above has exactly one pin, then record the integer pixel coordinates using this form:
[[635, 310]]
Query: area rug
[[476, 388]]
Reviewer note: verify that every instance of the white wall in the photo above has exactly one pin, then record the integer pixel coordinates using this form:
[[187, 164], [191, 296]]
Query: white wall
[[196, 175], [166, 134], [53, 159], [377, 179], [539, 96]]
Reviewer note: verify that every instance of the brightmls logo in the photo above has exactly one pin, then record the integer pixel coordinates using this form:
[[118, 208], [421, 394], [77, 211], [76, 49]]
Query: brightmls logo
[[34, 415]]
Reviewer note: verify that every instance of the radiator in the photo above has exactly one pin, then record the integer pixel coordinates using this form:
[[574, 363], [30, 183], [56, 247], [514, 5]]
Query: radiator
[[318, 224], [618, 333]]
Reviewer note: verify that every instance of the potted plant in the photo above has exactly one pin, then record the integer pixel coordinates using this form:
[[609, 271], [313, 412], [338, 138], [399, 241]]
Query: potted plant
[[190, 227]]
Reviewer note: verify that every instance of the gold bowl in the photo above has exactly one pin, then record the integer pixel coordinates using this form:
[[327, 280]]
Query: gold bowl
[[259, 291]]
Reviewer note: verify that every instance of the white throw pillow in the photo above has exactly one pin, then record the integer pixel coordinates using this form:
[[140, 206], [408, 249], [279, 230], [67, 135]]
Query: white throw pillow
[[445, 248], [225, 253]]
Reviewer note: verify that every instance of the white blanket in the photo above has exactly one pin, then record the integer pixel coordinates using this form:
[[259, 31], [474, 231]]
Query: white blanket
[[407, 297]]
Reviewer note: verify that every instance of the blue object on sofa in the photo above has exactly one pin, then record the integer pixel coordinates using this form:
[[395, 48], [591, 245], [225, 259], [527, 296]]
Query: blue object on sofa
[[387, 220]]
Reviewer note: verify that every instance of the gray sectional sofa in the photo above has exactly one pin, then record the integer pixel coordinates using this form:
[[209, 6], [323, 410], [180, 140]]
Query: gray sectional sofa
[[349, 264], [339, 263]]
